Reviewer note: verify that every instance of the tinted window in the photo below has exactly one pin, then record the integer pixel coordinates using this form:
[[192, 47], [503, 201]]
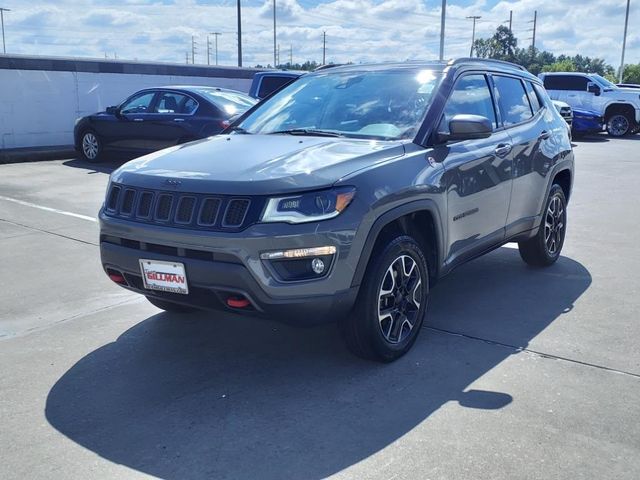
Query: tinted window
[[138, 104], [536, 104], [471, 95], [565, 82], [271, 84], [512, 100], [231, 103], [169, 102]]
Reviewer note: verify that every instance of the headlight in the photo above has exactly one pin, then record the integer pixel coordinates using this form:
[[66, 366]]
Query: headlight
[[308, 207]]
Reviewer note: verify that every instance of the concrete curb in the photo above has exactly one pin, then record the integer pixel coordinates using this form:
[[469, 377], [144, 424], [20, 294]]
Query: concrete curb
[[36, 154]]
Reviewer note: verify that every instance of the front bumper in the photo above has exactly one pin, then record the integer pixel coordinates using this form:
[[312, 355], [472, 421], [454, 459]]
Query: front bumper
[[223, 265]]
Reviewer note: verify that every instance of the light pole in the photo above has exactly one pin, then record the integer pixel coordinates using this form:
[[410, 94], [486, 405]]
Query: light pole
[[239, 36], [442, 17], [275, 55], [2, 10], [473, 32], [215, 43], [624, 43]]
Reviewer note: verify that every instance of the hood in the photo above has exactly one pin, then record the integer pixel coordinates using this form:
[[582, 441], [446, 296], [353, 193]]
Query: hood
[[240, 164]]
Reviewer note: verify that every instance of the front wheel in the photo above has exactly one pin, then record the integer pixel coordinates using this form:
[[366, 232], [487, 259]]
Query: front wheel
[[618, 125], [91, 147], [544, 249], [391, 304]]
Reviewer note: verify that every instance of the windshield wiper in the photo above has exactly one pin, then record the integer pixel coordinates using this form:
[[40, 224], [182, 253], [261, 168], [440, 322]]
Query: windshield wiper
[[239, 130], [308, 131]]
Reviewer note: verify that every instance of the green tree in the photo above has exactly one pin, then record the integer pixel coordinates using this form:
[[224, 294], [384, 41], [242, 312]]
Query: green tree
[[631, 74], [564, 65]]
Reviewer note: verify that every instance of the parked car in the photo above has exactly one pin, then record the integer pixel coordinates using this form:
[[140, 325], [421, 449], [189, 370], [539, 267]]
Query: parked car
[[620, 107], [565, 110], [265, 83], [586, 121], [345, 197], [156, 118]]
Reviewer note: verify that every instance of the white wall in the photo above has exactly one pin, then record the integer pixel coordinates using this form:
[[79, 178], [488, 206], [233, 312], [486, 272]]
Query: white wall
[[39, 108]]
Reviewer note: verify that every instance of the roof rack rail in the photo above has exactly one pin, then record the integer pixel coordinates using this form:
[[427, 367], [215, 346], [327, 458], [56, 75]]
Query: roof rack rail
[[486, 60]]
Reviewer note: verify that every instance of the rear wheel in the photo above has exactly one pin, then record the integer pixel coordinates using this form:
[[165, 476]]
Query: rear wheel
[[544, 249], [170, 306], [391, 304], [618, 125], [91, 146]]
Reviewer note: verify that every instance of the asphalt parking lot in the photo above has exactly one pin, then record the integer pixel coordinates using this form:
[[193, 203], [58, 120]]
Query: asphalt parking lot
[[518, 374]]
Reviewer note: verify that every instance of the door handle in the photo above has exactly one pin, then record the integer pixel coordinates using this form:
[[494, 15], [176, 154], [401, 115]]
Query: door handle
[[138, 119], [544, 135], [503, 149], [178, 119]]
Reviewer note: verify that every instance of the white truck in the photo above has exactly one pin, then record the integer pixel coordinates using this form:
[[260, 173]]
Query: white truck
[[620, 107]]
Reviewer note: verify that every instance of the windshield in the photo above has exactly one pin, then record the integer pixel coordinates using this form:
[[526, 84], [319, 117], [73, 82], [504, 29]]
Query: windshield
[[230, 102], [387, 105], [603, 81]]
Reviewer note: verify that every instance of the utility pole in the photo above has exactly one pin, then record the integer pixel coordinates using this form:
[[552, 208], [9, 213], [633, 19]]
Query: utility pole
[[275, 58], [324, 48], [239, 36], [186, 54], [215, 42], [4, 45], [624, 43], [510, 20], [208, 50], [278, 57], [535, 22], [193, 49], [443, 14], [291, 55], [473, 34]]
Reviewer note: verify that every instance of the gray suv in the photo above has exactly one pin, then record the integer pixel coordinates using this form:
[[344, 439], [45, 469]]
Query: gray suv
[[345, 197]]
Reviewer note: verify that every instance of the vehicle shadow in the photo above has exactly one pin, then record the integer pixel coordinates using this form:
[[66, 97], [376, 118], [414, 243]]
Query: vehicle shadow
[[590, 138], [190, 397], [106, 166]]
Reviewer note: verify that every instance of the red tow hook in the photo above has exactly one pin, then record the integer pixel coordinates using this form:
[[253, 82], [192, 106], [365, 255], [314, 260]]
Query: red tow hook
[[117, 278], [238, 302]]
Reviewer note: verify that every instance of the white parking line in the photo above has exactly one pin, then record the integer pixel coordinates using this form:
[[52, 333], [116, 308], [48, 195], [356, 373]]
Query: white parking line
[[48, 209]]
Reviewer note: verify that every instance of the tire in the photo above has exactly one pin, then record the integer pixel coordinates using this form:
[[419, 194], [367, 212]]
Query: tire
[[618, 125], [388, 314], [170, 306], [544, 249], [91, 146]]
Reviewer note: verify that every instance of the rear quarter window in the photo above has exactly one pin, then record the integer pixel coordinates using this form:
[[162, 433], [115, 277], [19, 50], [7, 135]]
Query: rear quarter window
[[268, 85]]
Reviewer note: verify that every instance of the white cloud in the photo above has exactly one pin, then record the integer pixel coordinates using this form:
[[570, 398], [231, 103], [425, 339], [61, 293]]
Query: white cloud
[[357, 30]]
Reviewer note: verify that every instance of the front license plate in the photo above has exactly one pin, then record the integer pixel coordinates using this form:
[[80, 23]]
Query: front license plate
[[164, 276]]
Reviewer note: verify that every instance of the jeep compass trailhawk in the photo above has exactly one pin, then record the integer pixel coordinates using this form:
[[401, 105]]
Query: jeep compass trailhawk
[[345, 196]]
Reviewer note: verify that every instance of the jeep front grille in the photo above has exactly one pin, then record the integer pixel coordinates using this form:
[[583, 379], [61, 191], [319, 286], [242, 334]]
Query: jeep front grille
[[184, 210]]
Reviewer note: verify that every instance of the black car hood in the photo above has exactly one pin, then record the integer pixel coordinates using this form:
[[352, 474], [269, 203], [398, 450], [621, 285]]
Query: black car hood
[[240, 164]]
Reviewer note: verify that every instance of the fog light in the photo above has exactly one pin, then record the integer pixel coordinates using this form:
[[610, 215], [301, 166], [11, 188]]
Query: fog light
[[317, 265]]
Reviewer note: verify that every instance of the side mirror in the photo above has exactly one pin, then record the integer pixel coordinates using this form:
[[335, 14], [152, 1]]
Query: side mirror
[[113, 111], [467, 127], [593, 88]]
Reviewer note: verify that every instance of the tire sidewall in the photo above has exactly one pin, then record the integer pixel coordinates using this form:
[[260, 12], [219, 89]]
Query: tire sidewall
[[99, 154], [556, 191], [401, 245], [609, 127]]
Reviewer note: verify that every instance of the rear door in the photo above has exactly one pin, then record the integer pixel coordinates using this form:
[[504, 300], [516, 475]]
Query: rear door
[[522, 115], [477, 174], [173, 120]]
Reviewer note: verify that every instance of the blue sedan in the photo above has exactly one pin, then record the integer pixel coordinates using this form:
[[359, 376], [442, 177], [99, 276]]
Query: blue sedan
[[157, 118]]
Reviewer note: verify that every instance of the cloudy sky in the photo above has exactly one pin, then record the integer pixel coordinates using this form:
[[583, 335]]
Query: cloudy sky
[[357, 30]]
